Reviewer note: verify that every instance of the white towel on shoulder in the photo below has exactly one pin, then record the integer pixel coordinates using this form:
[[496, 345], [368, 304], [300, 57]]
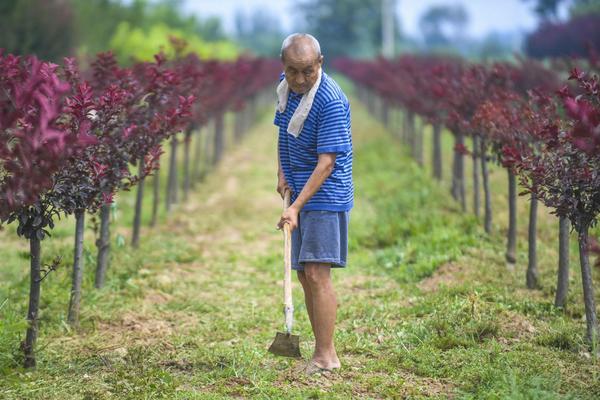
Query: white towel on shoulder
[[297, 120]]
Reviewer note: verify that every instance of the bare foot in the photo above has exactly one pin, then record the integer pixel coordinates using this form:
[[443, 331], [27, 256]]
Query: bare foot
[[316, 367], [328, 361], [313, 368]]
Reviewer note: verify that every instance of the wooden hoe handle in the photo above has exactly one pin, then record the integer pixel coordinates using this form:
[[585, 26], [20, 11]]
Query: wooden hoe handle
[[287, 273]]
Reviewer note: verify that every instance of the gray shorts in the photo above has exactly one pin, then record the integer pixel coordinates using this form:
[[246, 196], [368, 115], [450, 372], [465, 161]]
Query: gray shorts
[[321, 236]]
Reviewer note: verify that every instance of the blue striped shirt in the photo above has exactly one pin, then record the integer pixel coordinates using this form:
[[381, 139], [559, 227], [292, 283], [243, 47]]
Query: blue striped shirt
[[325, 130]]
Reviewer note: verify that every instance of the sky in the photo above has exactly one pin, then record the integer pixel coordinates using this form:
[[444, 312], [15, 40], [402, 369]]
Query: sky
[[484, 15]]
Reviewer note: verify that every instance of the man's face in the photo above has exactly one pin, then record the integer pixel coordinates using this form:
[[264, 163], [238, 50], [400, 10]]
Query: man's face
[[301, 71]]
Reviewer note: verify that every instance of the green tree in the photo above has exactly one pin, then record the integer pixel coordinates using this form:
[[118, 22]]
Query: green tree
[[547, 10], [41, 27], [260, 32], [494, 46], [139, 44], [99, 21], [438, 20], [211, 29], [584, 7], [343, 27]]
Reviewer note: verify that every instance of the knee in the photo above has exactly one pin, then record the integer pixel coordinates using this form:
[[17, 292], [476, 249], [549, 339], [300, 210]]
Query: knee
[[317, 274], [302, 278]]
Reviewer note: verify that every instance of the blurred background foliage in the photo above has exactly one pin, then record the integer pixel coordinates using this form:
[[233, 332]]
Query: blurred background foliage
[[136, 29], [40, 27], [350, 27], [130, 42]]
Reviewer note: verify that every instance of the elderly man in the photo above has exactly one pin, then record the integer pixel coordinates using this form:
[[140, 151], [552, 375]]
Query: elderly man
[[315, 164]]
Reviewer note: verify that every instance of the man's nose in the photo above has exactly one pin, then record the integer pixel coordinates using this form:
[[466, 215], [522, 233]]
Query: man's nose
[[300, 79]]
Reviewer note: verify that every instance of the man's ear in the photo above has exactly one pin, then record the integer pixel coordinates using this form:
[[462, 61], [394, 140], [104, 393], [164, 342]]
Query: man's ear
[[321, 60]]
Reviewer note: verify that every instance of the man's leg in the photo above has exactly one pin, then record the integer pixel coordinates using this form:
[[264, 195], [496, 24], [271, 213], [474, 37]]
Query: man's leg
[[324, 309], [307, 297]]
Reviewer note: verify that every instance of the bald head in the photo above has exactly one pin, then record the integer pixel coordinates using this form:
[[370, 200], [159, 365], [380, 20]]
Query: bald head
[[301, 45], [302, 60]]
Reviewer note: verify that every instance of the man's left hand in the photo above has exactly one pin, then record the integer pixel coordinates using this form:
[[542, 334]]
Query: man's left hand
[[289, 216]]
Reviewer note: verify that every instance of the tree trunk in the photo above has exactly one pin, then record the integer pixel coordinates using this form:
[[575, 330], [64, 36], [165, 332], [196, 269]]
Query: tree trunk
[[171, 195], [186, 164], [246, 119], [375, 102], [437, 151], [206, 164], [175, 181], [458, 179], [197, 157], [28, 345], [532, 270], [219, 139], [398, 132], [374, 98], [251, 116], [238, 127], [454, 185], [487, 220], [410, 131], [511, 248], [562, 286], [588, 288], [137, 217], [395, 121], [404, 127], [103, 244], [476, 194], [155, 196], [252, 105], [371, 102], [461, 176], [75, 302], [385, 113], [418, 142], [360, 93]]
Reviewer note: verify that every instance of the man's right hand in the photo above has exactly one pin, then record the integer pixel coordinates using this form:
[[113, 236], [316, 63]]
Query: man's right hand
[[282, 185]]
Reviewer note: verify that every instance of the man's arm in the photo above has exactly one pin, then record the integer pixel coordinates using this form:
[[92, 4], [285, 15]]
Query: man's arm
[[321, 172], [279, 170], [282, 184], [324, 168]]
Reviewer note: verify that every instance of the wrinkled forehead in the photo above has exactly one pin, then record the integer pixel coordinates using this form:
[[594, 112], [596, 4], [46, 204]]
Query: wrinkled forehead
[[300, 64], [300, 57]]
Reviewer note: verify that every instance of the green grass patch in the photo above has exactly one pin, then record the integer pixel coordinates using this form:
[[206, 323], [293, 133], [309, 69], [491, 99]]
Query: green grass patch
[[427, 306]]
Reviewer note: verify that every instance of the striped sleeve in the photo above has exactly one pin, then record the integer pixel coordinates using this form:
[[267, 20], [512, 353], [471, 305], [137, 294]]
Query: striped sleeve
[[333, 135]]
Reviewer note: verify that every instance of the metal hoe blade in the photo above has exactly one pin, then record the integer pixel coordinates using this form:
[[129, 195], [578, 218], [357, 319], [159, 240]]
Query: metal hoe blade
[[286, 345]]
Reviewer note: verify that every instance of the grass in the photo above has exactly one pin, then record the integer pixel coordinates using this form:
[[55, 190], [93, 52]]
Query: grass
[[428, 307]]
